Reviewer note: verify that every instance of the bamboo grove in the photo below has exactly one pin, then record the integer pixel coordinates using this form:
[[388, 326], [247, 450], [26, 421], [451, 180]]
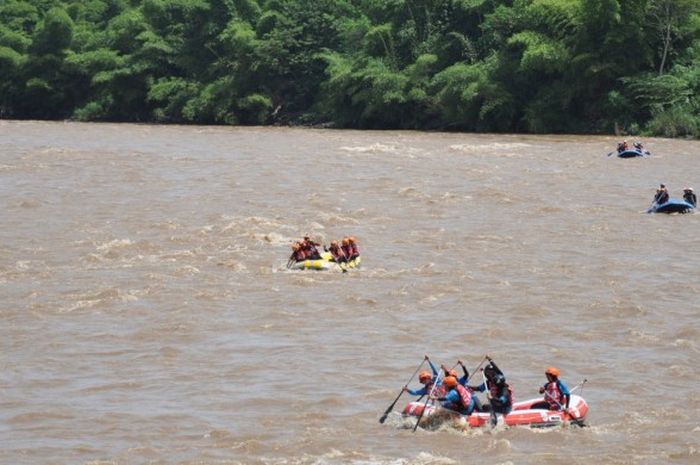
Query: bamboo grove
[[526, 66]]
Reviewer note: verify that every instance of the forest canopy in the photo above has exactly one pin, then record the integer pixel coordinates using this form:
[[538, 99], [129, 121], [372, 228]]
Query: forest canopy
[[536, 66]]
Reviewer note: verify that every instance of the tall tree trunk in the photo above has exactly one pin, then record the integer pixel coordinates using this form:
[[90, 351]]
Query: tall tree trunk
[[667, 44]]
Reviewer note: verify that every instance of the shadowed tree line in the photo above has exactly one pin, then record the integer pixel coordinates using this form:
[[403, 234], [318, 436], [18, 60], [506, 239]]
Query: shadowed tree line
[[542, 66]]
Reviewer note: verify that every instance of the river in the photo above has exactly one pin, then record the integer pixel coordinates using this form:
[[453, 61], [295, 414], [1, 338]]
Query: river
[[148, 316]]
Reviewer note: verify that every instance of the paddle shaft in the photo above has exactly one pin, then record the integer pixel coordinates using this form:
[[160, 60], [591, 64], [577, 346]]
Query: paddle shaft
[[476, 369], [561, 407], [425, 405], [391, 407], [494, 418]]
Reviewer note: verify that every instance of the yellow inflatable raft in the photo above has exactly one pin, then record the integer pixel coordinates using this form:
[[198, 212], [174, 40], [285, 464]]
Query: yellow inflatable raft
[[325, 263]]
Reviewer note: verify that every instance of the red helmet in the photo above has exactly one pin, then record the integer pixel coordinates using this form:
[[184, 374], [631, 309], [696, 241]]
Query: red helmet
[[552, 371], [450, 382]]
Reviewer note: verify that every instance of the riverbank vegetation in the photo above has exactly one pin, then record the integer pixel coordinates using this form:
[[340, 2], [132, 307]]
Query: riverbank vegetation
[[540, 66]]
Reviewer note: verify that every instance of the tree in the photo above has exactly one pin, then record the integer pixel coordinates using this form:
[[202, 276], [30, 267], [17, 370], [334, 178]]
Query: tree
[[672, 21]]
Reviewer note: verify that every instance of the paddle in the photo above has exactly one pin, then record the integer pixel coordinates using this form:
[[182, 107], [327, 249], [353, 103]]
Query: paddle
[[391, 407], [579, 385], [494, 418], [447, 370], [343, 268], [475, 369], [425, 405], [654, 203], [561, 407], [290, 262]]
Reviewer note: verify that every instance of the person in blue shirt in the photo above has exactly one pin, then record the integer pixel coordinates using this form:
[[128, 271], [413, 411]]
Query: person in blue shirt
[[426, 379], [500, 396], [556, 392], [458, 398]]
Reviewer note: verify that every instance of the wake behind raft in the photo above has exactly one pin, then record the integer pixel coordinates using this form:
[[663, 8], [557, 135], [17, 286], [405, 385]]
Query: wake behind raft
[[521, 415]]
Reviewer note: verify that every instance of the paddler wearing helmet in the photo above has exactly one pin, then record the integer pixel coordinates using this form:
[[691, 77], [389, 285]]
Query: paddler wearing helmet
[[298, 254], [347, 248], [556, 392], [689, 196], [490, 371], [452, 372], [458, 398], [499, 391], [337, 252], [426, 379], [661, 195], [354, 251], [310, 249]]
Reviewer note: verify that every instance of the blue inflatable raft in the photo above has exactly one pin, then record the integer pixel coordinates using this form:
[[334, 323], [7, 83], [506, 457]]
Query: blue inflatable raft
[[672, 206], [631, 153]]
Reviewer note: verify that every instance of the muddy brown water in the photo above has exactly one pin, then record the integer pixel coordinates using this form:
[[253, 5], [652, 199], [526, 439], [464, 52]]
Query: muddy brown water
[[147, 315]]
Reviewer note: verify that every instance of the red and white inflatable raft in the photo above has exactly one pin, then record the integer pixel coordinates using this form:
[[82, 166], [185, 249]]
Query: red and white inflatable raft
[[521, 415]]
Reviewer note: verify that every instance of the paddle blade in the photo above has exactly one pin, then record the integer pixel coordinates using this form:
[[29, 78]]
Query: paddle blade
[[390, 408], [386, 414]]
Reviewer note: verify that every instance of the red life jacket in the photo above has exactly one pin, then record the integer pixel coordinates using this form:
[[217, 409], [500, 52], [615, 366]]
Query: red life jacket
[[553, 396], [439, 391], [310, 249], [465, 396], [347, 250], [493, 390], [299, 255]]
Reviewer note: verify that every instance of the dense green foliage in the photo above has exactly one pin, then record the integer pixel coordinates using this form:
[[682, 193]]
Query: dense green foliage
[[625, 66]]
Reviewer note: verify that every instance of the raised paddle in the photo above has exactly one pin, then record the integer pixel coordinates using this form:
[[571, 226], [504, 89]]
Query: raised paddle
[[459, 363], [391, 407], [475, 369]]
